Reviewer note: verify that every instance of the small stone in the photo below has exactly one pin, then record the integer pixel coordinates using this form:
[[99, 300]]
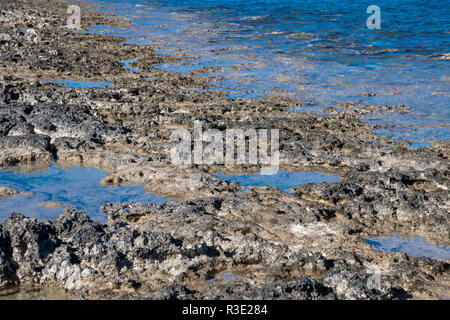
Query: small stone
[[53, 204], [6, 192]]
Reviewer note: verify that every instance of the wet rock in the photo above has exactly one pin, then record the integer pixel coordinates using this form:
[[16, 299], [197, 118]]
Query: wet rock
[[53, 204], [31, 35], [24, 149], [6, 192]]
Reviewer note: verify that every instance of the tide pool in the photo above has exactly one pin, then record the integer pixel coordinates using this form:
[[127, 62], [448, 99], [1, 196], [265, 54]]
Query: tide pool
[[414, 247], [77, 187], [282, 180]]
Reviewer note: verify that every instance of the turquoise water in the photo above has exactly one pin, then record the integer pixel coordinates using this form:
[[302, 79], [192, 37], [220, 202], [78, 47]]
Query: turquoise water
[[77, 187], [415, 247], [282, 180], [320, 51]]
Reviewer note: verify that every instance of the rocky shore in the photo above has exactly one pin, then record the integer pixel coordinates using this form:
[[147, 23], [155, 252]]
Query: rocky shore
[[212, 241]]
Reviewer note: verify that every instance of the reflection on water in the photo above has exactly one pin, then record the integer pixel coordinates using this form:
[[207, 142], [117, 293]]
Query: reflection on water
[[282, 180], [77, 187], [415, 247]]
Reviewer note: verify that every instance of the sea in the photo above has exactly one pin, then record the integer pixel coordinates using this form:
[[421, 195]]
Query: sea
[[323, 53]]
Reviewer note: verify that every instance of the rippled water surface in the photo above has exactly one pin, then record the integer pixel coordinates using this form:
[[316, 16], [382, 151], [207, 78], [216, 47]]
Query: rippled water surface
[[321, 51]]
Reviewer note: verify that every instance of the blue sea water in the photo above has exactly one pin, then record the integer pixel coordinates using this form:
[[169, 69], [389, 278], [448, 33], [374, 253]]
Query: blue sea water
[[319, 51], [76, 187]]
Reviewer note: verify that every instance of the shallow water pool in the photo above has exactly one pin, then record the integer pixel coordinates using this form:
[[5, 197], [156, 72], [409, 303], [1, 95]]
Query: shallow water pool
[[282, 180], [415, 247], [77, 187]]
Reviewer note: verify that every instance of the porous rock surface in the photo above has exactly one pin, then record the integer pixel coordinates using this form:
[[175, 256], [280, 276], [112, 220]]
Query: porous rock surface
[[211, 241]]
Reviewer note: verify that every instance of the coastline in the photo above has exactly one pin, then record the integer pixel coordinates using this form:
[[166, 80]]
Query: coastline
[[308, 244]]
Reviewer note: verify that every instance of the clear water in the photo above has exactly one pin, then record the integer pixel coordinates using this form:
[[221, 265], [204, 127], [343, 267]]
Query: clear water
[[76, 187], [415, 247], [283, 180], [320, 51], [229, 276]]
